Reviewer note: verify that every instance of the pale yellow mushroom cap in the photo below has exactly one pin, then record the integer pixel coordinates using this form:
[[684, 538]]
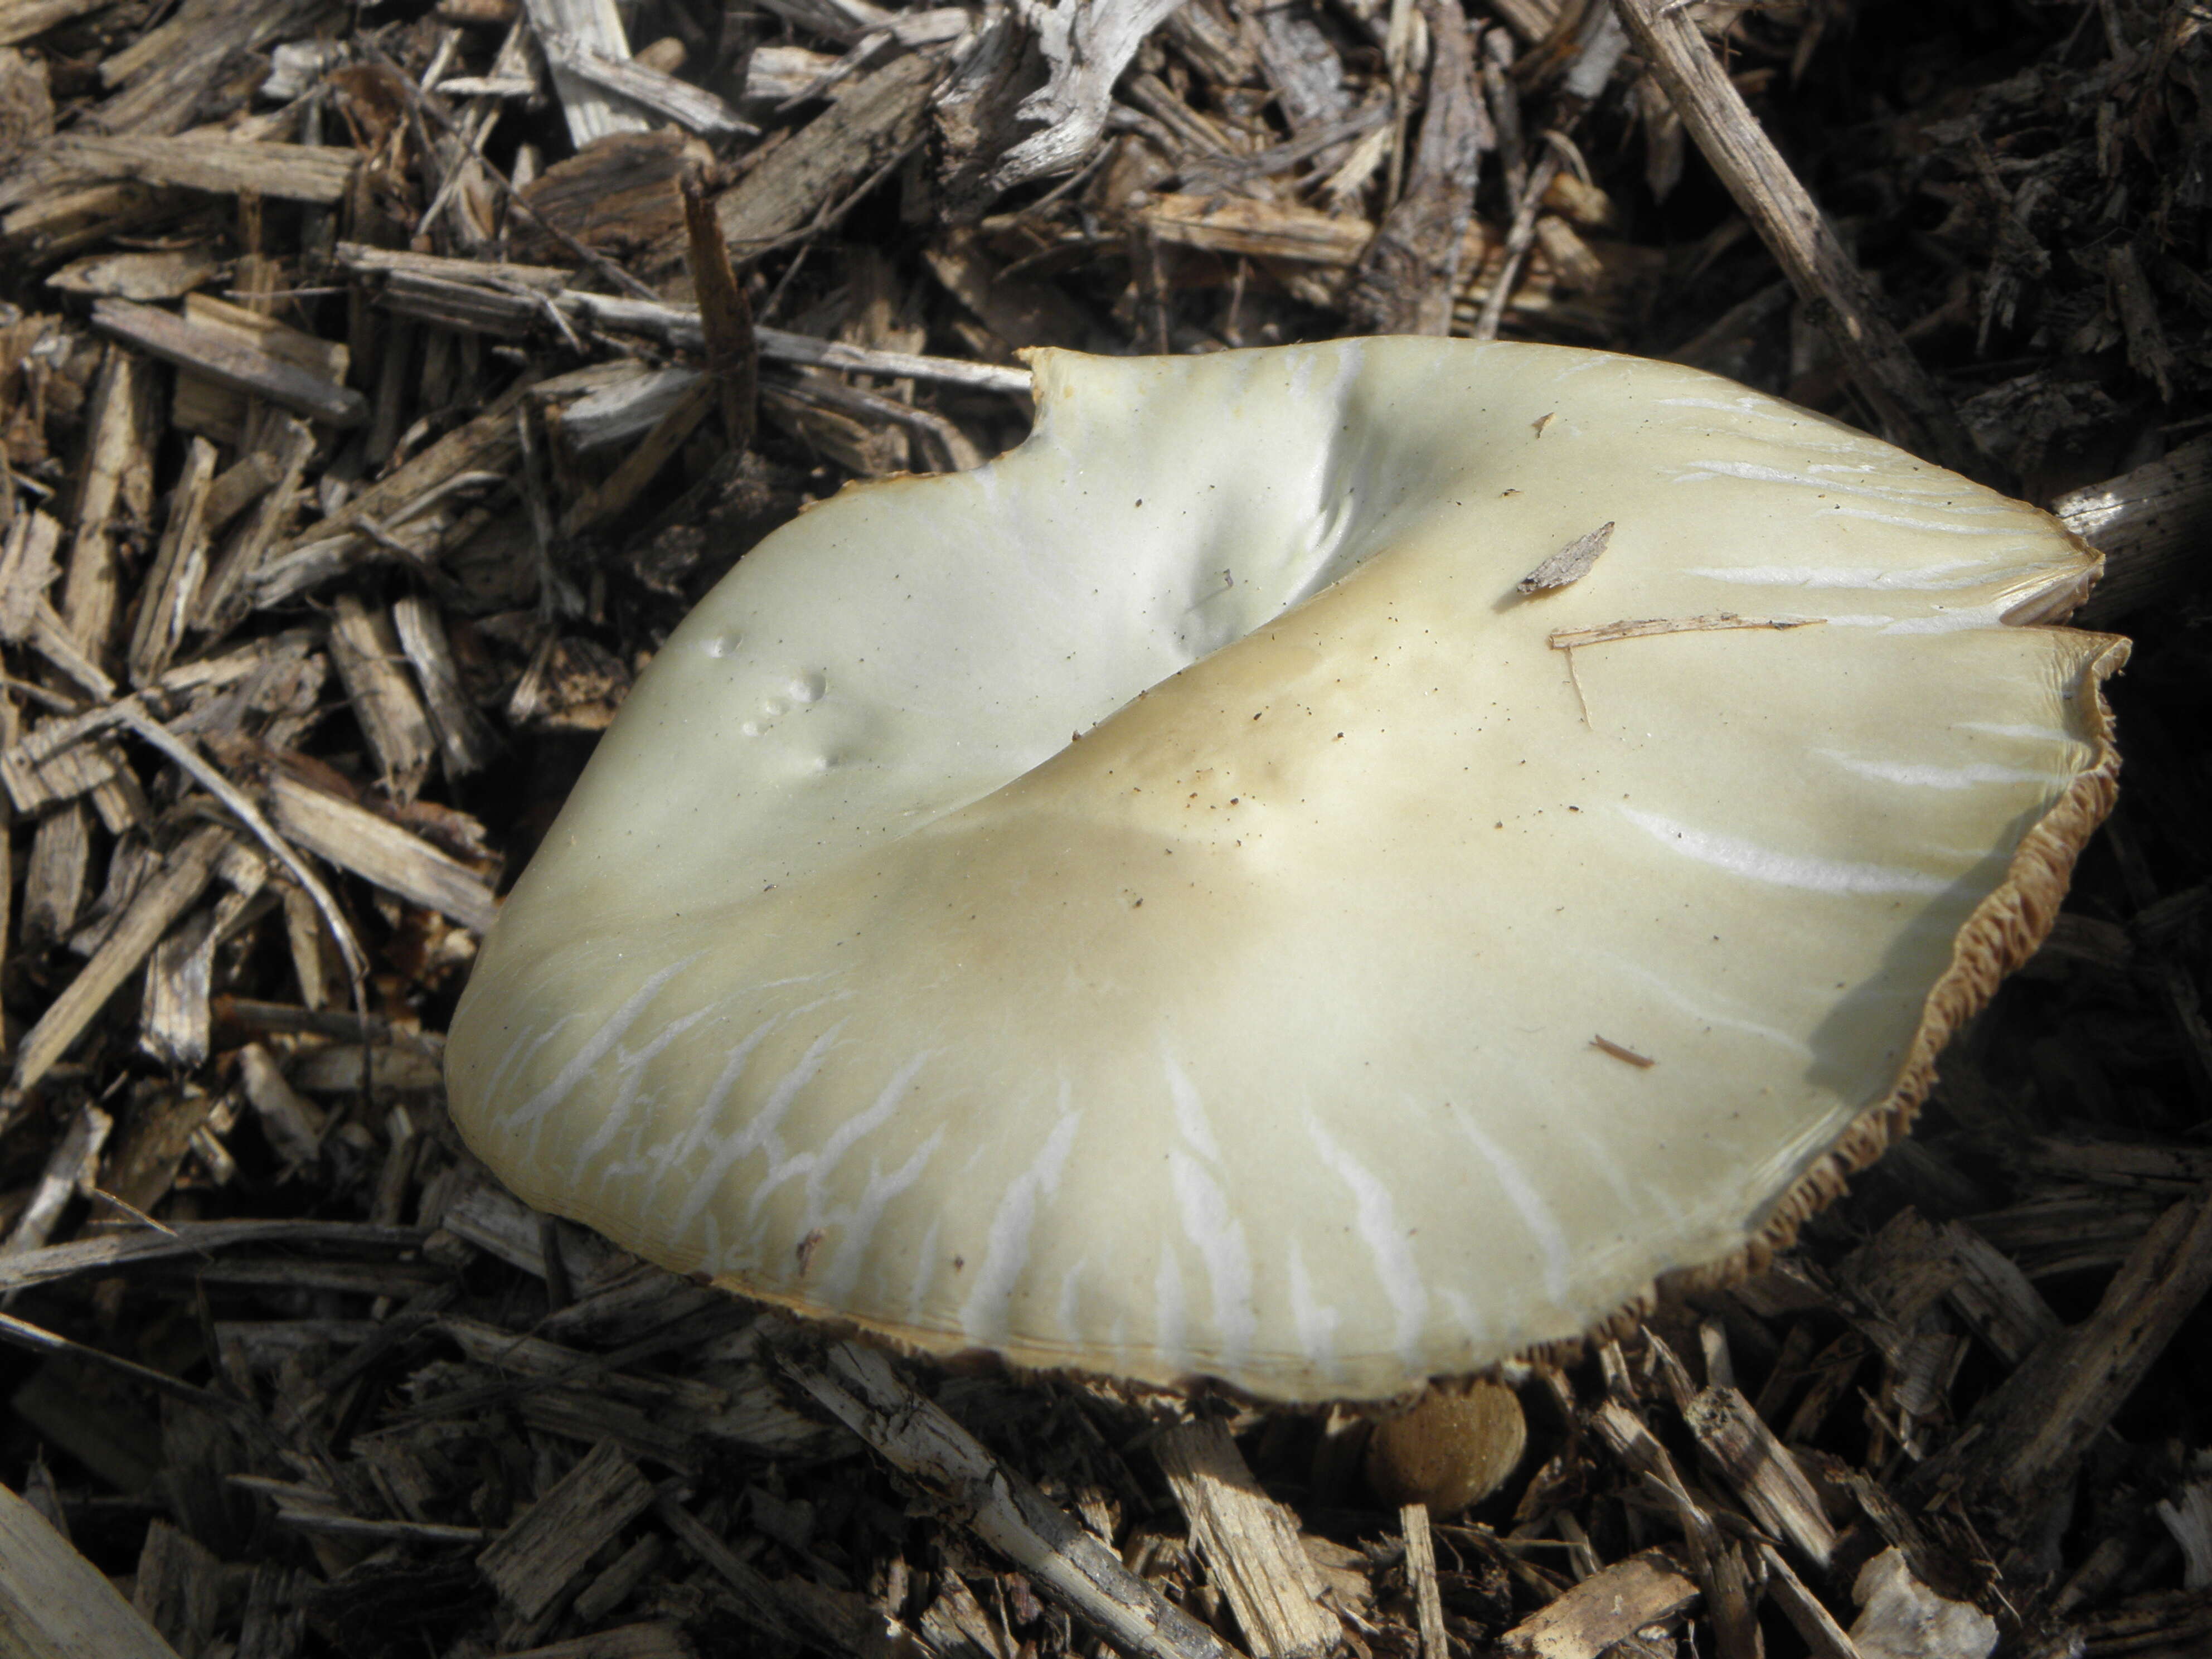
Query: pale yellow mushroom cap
[[1254, 1036]]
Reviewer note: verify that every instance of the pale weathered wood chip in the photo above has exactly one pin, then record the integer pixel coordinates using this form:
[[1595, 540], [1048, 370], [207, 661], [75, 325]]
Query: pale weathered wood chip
[[354, 838], [1737, 1443], [1606, 1608], [365, 649], [551, 1544], [1248, 1541], [230, 362], [184, 876], [591, 112], [1569, 564], [1421, 1579], [862, 1390], [695, 108], [297, 173], [55, 1604], [1275, 230]]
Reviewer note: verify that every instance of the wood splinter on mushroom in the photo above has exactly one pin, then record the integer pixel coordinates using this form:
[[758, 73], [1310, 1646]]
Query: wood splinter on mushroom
[[1568, 639], [1569, 564], [1606, 1045]]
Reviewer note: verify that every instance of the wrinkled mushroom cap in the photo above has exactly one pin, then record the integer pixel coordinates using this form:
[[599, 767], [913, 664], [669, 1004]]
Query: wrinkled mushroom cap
[[1253, 1036]]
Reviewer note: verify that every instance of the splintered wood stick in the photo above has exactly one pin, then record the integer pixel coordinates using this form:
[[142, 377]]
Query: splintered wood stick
[[299, 172], [381, 851], [54, 1604], [640, 84], [2023, 1444], [25, 20], [510, 300], [183, 877], [1737, 1443], [725, 316], [566, 28], [228, 361], [1250, 1543], [71, 1168], [1829, 283], [365, 649], [2150, 524], [1421, 1575], [465, 737], [1605, 1609], [860, 1388], [1821, 1633]]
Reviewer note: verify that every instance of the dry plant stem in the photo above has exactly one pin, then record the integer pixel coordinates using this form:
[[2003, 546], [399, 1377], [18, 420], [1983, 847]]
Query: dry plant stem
[[724, 317], [754, 1590], [859, 1388], [638, 468], [1645, 628], [1211, 174], [105, 1253], [36, 1338], [1504, 101], [1827, 280], [468, 296]]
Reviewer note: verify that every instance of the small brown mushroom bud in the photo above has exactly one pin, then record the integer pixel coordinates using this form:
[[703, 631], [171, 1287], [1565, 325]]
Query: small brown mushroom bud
[[1453, 1449]]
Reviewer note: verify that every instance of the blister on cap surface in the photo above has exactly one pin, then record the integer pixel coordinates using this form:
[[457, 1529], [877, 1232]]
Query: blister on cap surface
[[1254, 1036]]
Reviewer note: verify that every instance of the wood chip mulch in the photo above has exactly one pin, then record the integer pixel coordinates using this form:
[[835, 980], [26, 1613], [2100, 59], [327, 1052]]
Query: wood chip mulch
[[378, 384]]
